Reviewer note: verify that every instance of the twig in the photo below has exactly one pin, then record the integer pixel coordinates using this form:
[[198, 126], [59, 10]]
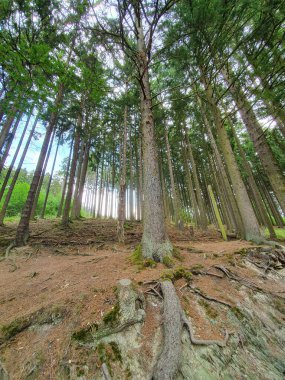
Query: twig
[[106, 372]]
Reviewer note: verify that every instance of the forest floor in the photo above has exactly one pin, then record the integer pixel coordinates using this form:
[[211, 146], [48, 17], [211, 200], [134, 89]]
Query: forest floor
[[63, 281]]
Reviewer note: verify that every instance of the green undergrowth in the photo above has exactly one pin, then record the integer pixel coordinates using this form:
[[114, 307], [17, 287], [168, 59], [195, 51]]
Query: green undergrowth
[[112, 316]]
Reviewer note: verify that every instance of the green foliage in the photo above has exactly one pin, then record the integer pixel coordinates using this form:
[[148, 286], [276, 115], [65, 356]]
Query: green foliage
[[112, 316], [176, 274]]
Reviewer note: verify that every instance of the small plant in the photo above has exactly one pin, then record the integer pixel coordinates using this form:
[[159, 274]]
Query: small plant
[[196, 267]]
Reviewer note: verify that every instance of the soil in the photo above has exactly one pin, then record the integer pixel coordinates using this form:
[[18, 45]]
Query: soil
[[71, 274]]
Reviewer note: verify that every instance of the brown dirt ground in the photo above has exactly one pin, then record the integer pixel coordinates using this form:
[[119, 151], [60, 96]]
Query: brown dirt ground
[[76, 270]]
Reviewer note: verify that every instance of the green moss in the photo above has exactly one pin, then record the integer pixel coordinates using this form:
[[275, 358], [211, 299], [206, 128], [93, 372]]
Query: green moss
[[196, 267], [41, 317], [116, 351], [177, 254], [85, 334], [176, 274], [238, 313], [138, 259], [210, 311], [112, 316], [13, 328], [168, 261]]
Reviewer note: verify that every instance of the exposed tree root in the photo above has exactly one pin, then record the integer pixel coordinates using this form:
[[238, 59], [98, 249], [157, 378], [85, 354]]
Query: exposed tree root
[[168, 361], [8, 249], [197, 291], [106, 372], [202, 342]]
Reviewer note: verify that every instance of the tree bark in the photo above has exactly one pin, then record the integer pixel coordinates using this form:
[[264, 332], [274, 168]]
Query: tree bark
[[257, 136], [155, 242], [23, 227], [251, 227], [17, 172], [122, 190]]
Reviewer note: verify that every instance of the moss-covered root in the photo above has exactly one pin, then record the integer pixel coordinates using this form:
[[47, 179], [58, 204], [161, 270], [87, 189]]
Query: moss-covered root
[[168, 361]]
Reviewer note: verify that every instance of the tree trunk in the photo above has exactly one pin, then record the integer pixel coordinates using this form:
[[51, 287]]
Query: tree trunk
[[34, 208], [202, 211], [23, 227], [122, 190], [65, 181], [261, 146], [77, 183], [77, 205], [50, 179], [9, 141], [17, 172], [66, 209], [176, 205], [155, 242], [6, 179], [251, 227]]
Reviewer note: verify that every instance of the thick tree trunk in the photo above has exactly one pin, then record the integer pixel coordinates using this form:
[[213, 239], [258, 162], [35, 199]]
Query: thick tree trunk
[[155, 242], [272, 170], [23, 227], [17, 172]]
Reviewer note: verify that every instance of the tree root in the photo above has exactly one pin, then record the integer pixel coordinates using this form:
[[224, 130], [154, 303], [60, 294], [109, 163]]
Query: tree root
[[102, 333], [174, 319], [168, 361], [11, 246], [106, 372], [203, 342], [197, 291]]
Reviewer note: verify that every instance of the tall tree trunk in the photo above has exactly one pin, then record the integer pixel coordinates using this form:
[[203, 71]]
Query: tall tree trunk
[[202, 211], [65, 181], [15, 155], [66, 209], [272, 170], [77, 183], [155, 242], [176, 205], [9, 141], [230, 200], [6, 127], [50, 180], [251, 227], [36, 198], [77, 207], [122, 190], [23, 227], [17, 172]]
